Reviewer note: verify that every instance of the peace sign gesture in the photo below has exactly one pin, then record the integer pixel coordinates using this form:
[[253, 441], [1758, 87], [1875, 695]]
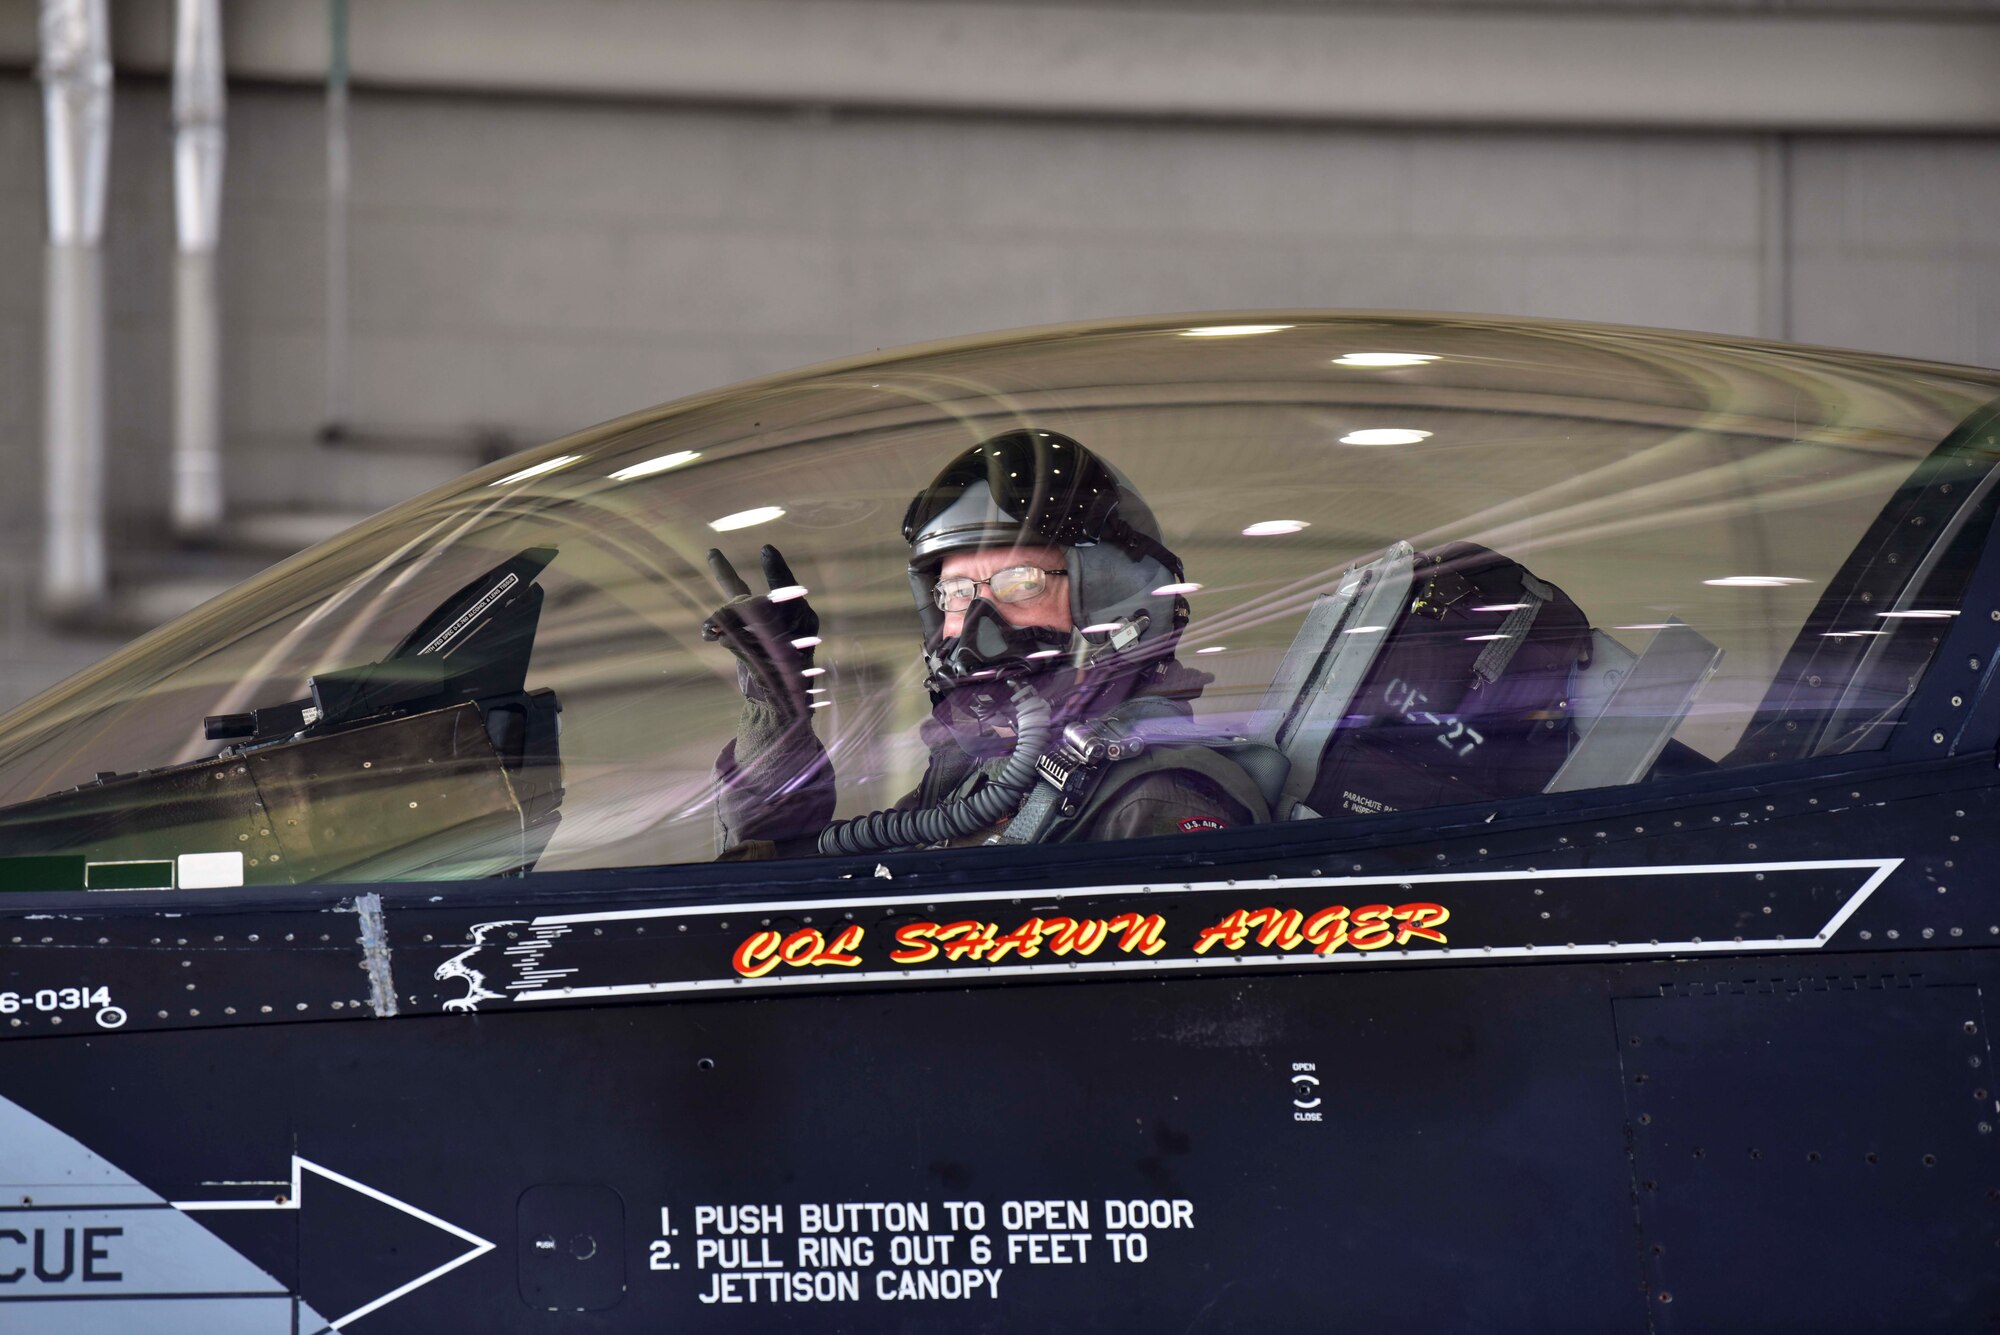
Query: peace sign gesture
[[772, 634]]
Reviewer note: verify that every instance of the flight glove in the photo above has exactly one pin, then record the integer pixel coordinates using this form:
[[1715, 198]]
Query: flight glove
[[771, 634]]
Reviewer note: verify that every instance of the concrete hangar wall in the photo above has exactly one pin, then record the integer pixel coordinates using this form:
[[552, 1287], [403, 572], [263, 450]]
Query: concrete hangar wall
[[562, 212]]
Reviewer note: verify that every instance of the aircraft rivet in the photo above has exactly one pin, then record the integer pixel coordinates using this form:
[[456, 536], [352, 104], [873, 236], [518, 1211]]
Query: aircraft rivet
[[1929, 932], [1958, 931], [265, 1010], [1893, 934], [1986, 1128], [1868, 936], [1545, 913], [1971, 1027], [1767, 909], [1979, 1096], [1957, 700], [1937, 737], [242, 838], [1941, 889]]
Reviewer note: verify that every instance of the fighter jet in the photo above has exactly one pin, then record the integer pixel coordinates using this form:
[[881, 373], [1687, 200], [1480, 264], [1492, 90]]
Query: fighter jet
[[1252, 822]]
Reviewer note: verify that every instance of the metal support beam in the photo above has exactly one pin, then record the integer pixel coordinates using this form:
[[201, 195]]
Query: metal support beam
[[1774, 316], [1880, 66], [198, 158], [76, 107], [338, 402]]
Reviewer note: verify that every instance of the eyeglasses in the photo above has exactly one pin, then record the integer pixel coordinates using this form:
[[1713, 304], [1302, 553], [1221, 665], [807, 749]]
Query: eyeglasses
[[1015, 584]]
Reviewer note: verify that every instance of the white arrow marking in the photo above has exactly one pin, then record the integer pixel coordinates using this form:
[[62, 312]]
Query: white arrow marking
[[480, 1246]]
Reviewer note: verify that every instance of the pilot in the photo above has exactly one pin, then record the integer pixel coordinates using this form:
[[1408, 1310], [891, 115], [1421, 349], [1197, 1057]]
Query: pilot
[[1049, 635]]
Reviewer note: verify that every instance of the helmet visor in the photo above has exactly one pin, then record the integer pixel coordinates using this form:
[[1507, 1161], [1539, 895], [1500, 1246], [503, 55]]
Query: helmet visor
[[1044, 489]]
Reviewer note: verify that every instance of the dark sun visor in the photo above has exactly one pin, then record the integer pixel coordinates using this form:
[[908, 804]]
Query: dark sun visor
[[1043, 489]]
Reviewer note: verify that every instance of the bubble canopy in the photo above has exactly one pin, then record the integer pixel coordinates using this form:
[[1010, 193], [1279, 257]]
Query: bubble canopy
[[1704, 494]]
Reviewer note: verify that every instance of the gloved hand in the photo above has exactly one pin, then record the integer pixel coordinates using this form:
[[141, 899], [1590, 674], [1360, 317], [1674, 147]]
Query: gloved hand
[[772, 634]]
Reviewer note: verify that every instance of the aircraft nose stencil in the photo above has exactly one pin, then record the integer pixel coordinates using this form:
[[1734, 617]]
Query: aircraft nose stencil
[[86, 1249]]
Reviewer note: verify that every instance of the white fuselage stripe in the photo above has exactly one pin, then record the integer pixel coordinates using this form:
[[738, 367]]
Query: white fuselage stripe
[[1881, 868]]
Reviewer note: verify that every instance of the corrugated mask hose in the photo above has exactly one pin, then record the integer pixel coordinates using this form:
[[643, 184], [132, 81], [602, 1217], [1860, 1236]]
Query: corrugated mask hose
[[880, 831]]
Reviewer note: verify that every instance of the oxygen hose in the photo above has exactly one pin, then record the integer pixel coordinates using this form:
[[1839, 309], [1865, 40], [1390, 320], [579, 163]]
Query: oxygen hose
[[880, 831]]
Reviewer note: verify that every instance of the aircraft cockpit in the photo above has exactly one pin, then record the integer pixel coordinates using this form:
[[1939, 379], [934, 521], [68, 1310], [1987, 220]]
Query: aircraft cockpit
[[1367, 564]]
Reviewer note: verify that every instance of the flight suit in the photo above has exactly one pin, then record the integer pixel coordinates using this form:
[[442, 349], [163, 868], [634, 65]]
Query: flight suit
[[784, 795]]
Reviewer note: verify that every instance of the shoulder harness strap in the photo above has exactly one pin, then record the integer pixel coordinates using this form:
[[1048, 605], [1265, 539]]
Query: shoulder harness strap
[[1075, 784]]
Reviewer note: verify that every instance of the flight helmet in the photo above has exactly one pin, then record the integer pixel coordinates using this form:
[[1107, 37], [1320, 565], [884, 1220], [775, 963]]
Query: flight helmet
[[1031, 488]]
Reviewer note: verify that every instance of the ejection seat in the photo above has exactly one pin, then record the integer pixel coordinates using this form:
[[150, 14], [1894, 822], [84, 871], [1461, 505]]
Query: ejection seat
[[1618, 713]]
